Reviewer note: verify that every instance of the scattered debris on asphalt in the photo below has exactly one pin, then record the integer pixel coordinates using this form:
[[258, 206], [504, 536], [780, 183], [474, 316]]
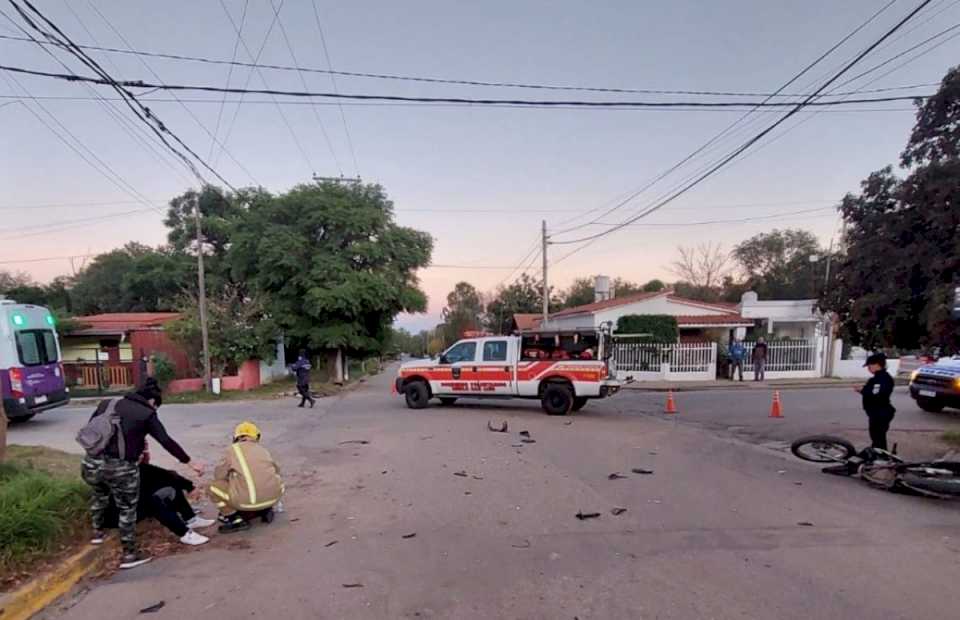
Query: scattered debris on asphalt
[[782, 471], [805, 523], [467, 493], [475, 477], [362, 442], [331, 543], [524, 545], [494, 429], [410, 535], [525, 433], [462, 474], [640, 470], [583, 516], [294, 520], [353, 585], [427, 437], [516, 445], [656, 501], [568, 423], [617, 511], [615, 476], [528, 440], [153, 608], [652, 453], [799, 484]]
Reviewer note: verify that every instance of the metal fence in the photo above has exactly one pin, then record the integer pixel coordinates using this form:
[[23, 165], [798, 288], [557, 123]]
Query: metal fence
[[786, 355], [683, 357]]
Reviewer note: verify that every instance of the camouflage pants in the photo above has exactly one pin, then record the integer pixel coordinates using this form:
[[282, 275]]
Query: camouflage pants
[[118, 479]]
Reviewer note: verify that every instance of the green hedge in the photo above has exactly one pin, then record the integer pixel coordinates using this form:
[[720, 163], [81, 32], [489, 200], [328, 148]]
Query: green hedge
[[661, 327]]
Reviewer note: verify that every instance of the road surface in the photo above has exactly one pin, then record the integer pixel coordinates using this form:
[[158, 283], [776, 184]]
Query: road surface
[[722, 529]]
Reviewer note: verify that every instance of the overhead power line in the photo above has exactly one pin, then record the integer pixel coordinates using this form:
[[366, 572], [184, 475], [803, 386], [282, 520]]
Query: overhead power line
[[746, 145], [456, 100], [456, 82]]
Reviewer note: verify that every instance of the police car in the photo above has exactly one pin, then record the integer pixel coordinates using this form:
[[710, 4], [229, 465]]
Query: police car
[[937, 385]]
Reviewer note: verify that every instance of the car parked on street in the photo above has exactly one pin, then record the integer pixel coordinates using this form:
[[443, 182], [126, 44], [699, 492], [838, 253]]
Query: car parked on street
[[937, 385]]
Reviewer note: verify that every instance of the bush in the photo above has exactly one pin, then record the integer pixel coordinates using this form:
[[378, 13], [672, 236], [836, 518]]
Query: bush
[[164, 370], [38, 512], [661, 327]]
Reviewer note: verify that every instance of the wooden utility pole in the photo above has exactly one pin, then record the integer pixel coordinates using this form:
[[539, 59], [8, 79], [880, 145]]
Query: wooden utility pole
[[202, 301], [546, 289]]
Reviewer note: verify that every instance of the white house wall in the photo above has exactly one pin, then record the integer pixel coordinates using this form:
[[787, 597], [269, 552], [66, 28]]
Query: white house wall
[[656, 305]]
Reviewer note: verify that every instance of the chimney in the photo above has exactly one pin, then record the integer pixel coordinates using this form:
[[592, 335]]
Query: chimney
[[601, 289]]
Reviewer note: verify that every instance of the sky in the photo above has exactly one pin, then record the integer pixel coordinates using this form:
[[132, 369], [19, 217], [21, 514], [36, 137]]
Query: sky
[[480, 179]]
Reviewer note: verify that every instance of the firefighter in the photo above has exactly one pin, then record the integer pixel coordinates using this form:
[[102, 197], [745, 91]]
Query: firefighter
[[246, 482]]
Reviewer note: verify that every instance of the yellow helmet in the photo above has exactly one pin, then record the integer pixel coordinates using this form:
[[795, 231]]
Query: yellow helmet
[[246, 429]]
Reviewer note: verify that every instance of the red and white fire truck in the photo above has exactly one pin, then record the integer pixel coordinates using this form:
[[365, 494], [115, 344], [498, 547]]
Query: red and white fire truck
[[562, 369]]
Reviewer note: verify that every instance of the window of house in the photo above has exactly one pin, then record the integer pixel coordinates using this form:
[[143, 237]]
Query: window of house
[[495, 351]]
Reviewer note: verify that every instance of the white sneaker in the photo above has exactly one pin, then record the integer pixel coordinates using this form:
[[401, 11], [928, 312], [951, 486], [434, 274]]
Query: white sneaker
[[198, 523], [194, 539]]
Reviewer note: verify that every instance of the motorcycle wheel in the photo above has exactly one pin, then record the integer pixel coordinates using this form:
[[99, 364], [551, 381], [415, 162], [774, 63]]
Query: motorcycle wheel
[[822, 449], [932, 481]]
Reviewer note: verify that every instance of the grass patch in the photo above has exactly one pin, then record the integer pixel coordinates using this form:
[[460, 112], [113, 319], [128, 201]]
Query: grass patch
[[952, 438], [43, 505], [264, 392]]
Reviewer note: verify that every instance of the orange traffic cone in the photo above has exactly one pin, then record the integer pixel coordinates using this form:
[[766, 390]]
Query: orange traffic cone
[[776, 409], [671, 406]]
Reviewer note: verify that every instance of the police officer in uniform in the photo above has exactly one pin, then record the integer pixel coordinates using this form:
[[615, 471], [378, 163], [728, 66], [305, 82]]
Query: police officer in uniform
[[876, 399]]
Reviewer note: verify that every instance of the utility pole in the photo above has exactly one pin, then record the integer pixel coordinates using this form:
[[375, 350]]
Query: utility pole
[[202, 297], [546, 289], [339, 179]]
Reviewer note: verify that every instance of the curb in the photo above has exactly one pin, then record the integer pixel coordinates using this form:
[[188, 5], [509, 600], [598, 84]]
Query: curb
[[639, 387], [36, 595]]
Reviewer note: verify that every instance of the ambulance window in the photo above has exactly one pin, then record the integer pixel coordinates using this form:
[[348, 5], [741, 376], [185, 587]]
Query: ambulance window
[[495, 351], [462, 352]]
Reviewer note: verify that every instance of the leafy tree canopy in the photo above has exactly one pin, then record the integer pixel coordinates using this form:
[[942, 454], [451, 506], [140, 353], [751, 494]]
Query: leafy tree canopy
[[777, 265], [525, 296]]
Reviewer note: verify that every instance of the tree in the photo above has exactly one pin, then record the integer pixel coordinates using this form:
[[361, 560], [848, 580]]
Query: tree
[[654, 286], [525, 296], [239, 327], [901, 255], [13, 279], [332, 266], [464, 311], [583, 291], [135, 278], [778, 265], [701, 270]]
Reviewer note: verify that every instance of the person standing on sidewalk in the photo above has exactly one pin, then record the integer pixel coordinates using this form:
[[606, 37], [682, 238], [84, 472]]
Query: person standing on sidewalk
[[876, 400], [759, 359], [737, 353], [115, 473], [302, 369]]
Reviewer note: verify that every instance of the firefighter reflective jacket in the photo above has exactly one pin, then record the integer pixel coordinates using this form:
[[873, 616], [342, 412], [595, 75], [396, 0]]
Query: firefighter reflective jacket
[[246, 479]]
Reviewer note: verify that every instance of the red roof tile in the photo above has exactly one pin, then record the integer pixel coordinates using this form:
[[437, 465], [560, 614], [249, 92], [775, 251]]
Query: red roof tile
[[526, 322], [608, 303], [713, 319], [122, 322]]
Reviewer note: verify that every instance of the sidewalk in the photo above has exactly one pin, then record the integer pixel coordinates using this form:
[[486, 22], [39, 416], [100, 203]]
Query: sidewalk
[[724, 384]]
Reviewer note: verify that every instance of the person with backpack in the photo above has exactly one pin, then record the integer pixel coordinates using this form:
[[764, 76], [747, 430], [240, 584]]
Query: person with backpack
[[114, 440]]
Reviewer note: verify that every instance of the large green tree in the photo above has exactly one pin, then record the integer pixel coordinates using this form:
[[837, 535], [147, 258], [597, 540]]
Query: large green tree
[[894, 284], [524, 296], [581, 291], [463, 312], [135, 278], [331, 263], [782, 264]]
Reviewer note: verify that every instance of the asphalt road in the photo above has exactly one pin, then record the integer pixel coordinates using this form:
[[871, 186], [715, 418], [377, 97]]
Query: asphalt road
[[723, 528]]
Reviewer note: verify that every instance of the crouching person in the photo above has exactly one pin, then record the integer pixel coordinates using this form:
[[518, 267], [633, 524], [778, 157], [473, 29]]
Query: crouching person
[[247, 481]]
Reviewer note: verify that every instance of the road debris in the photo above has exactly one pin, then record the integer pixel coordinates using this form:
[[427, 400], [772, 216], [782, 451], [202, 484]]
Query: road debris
[[568, 423], [799, 484], [331, 543], [516, 445], [640, 470], [805, 523], [782, 471], [475, 477], [501, 429], [426, 437], [153, 608], [525, 433], [353, 585], [583, 516], [528, 440], [410, 535], [615, 476], [617, 511], [524, 545], [461, 473], [362, 442]]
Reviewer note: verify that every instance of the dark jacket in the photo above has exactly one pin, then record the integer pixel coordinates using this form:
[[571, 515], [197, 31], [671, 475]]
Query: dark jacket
[[137, 420], [876, 395], [152, 479], [302, 369], [760, 352]]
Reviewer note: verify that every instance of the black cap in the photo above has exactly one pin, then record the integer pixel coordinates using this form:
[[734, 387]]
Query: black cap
[[876, 358]]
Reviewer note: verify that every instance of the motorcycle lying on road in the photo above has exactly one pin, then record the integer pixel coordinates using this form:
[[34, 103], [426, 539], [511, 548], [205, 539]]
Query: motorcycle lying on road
[[879, 468]]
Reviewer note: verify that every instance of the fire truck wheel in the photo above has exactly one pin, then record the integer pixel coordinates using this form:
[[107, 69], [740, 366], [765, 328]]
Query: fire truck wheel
[[579, 403], [417, 394], [557, 399], [446, 402]]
